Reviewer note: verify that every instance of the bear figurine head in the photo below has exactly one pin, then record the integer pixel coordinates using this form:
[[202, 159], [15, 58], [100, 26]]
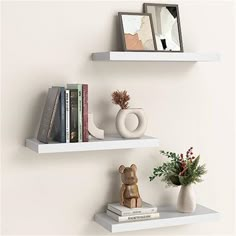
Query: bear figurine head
[[128, 174]]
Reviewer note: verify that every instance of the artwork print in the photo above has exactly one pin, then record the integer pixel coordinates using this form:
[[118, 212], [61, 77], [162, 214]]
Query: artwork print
[[137, 32], [166, 24]]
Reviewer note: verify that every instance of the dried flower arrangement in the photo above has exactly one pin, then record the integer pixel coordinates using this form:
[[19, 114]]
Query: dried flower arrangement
[[121, 98], [180, 170]]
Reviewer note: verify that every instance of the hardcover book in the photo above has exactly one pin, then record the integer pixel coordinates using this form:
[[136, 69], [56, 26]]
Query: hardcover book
[[48, 116], [133, 217], [73, 115], [67, 115], [59, 126], [85, 112], [125, 211], [78, 87]]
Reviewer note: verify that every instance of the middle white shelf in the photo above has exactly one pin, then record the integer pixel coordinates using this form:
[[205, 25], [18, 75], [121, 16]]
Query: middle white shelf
[[109, 143]]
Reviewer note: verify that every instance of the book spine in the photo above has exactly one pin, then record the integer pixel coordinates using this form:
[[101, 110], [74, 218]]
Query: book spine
[[63, 117], [48, 115], [67, 115], [85, 112], [132, 212], [144, 211], [132, 218], [73, 115], [80, 113], [53, 116], [139, 217]]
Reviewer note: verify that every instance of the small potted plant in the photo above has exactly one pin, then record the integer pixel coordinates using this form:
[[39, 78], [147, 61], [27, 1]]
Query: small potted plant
[[181, 170], [122, 98]]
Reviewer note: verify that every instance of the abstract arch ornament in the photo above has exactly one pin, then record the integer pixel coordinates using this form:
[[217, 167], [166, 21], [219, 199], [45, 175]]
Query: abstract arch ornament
[[93, 129]]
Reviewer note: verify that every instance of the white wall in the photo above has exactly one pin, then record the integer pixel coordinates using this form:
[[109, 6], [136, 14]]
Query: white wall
[[188, 104]]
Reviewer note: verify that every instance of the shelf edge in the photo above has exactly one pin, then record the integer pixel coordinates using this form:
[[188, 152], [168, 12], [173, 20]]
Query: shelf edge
[[155, 56], [118, 144]]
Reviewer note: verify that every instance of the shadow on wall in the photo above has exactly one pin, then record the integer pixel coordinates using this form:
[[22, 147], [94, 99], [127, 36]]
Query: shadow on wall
[[116, 35], [107, 122], [32, 122], [114, 189], [92, 228], [106, 69], [129, 69], [44, 79], [115, 38]]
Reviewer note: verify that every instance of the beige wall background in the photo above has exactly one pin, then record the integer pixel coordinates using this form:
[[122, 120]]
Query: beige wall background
[[47, 43]]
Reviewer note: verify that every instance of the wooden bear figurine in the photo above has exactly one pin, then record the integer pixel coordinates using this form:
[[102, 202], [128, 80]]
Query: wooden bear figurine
[[129, 194]]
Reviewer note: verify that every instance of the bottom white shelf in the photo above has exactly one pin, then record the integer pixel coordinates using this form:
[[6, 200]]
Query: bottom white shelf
[[168, 217]]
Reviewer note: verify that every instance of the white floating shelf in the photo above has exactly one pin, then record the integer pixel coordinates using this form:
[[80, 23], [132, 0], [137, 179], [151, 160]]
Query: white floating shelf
[[155, 56], [168, 217], [109, 143]]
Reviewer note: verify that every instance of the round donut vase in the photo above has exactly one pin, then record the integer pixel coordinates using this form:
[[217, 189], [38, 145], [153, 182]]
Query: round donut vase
[[121, 127]]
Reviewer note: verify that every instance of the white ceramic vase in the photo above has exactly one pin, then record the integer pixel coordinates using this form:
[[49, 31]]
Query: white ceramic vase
[[186, 202], [121, 127]]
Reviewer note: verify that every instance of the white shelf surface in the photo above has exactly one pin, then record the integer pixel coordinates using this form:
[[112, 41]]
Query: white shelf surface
[[155, 56], [168, 217], [109, 143]]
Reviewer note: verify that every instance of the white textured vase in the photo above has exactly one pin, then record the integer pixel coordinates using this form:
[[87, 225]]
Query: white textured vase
[[121, 127], [186, 200]]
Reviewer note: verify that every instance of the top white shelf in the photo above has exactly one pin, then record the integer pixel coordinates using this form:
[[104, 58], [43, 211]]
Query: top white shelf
[[155, 56]]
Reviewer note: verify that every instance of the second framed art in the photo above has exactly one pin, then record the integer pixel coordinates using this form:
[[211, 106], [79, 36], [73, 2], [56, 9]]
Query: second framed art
[[166, 24]]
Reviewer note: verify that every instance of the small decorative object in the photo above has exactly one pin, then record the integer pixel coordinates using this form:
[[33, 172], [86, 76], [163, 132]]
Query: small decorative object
[[181, 171], [121, 98], [129, 194], [137, 31], [166, 24], [92, 128]]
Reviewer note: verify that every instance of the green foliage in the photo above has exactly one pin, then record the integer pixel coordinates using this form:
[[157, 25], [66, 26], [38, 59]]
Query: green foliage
[[179, 170]]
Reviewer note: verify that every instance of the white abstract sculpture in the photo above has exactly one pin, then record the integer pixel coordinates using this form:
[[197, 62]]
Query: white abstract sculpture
[[93, 129], [121, 126]]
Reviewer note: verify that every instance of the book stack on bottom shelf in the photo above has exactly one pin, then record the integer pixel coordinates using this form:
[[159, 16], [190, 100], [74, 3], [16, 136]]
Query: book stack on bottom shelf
[[124, 214]]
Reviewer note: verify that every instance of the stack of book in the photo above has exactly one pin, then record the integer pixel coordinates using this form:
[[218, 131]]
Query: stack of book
[[124, 214], [65, 115]]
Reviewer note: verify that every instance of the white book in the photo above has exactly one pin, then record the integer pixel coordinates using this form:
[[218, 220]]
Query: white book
[[67, 115], [133, 217], [125, 211]]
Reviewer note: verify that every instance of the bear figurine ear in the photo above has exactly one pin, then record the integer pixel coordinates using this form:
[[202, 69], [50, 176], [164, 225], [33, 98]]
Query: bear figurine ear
[[133, 167], [121, 169]]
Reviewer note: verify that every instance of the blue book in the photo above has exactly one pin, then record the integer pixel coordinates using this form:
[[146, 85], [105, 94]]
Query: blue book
[[59, 127]]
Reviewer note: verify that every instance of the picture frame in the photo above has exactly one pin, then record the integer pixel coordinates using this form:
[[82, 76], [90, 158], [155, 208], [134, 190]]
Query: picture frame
[[137, 32], [168, 35]]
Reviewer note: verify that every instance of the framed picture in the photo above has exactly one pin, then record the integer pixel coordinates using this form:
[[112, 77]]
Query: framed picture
[[137, 31], [166, 24]]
